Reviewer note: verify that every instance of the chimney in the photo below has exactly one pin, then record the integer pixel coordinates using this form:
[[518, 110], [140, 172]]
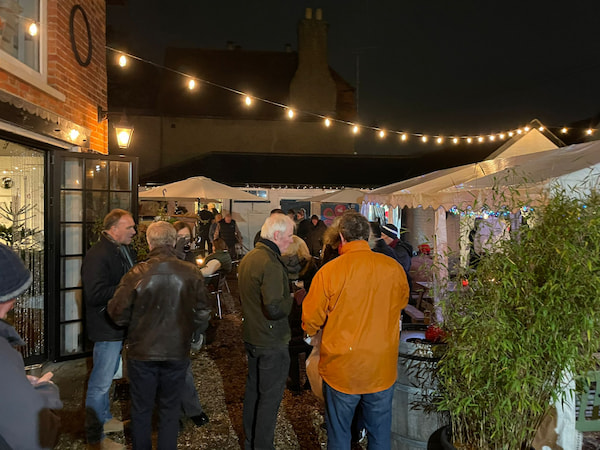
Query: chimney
[[312, 87]]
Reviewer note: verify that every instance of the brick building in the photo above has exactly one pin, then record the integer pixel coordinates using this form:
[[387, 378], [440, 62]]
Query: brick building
[[57, 178]]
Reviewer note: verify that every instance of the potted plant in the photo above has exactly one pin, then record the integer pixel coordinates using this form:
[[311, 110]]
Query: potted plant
[[528, 321]]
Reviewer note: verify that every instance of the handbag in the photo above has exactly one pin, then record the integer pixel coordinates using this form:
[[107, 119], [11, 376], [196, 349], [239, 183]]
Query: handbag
[[312, 367]]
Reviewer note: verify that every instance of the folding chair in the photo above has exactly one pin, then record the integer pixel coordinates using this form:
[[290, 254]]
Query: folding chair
[[214, 284]]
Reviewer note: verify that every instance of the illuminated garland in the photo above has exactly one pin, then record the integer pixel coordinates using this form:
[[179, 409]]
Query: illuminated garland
[[355, 128]]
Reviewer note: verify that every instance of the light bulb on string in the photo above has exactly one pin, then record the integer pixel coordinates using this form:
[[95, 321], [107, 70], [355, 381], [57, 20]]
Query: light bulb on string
[[511, 134], [501, 135], [122, 60], [327, 122], [248, 100], [381, 134], [191, 84], [541, 128], [492, 137], [290, 113], [564, 131], [469, 140], [423, 138], [526, 129], [519, 131], [355, 129], [455, 140], [32, 29], [589, 132], [479, 139], [439, 140], [403, 137]]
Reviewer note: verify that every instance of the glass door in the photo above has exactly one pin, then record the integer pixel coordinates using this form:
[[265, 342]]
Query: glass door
[[89, 186], [22, 227]]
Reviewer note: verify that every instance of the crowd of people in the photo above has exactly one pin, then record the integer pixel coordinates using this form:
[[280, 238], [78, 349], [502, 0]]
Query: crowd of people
[[343, 286]]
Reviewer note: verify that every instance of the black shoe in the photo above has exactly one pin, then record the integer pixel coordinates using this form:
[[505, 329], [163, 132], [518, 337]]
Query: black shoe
[[200, 420]]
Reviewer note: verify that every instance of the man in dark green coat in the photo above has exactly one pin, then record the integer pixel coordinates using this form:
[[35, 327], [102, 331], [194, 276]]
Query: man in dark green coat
[[266, 304]]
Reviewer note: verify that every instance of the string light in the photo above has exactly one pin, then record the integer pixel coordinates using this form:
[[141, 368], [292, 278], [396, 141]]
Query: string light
[[33, 29], [123, 61]]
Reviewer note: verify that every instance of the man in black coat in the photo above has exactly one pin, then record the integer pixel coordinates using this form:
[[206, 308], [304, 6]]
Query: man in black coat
[[103, 267], [205, 218]]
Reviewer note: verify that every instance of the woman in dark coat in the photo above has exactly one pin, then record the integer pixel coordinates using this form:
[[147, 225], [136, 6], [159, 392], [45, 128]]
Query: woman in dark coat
[[314, 240]]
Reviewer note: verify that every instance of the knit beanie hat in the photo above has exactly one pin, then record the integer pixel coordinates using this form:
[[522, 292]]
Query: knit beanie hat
[[14, 276], [390, 230]]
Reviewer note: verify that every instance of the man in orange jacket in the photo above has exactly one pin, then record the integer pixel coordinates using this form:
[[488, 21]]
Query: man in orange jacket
[[356, 299]]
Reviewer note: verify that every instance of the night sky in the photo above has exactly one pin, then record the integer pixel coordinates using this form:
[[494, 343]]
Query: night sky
[[434, 67]]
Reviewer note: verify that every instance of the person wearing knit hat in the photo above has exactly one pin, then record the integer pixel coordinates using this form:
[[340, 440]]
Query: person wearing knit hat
[[403, 250], [24, 399]]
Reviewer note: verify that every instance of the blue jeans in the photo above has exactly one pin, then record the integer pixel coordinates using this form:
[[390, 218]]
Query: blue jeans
[[106, 358], [159, 382], [267, 373], [376, 411]]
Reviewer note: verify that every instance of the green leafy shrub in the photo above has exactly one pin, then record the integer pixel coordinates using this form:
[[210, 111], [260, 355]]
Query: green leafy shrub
[[530, 316]]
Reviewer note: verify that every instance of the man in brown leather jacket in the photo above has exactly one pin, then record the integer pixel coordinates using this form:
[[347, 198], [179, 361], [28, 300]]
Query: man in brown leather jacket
[[162, 301]]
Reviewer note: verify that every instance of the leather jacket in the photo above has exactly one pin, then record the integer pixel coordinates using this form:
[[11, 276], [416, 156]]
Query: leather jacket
[[162, 301]]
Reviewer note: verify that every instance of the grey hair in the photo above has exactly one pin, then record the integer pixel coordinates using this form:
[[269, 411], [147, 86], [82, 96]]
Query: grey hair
[[275, 222], [161, 234]]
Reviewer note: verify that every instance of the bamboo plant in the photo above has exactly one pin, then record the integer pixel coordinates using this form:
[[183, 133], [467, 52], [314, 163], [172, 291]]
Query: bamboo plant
[[530, 317]]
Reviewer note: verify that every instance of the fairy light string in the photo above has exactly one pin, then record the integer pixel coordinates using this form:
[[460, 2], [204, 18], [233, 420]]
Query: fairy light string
[[328, 122]]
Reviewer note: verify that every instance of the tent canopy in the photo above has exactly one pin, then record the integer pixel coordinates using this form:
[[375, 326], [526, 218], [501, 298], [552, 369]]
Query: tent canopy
[[341, 196], [526, 176]]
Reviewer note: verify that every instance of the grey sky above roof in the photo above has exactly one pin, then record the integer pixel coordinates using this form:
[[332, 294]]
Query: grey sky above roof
[[432, 67]]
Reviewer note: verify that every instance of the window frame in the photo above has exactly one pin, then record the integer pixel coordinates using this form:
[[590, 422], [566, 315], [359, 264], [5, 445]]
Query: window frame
[[22, 71]]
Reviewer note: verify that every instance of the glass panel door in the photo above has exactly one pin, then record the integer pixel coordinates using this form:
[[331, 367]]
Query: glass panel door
[[22, 227], [90, 186]]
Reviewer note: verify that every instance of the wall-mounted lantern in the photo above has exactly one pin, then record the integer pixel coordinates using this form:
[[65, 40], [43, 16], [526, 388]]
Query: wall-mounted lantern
[[123, 129]]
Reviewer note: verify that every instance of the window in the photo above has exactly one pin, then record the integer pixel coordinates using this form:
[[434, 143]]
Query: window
[[23, 48], [20, 31]]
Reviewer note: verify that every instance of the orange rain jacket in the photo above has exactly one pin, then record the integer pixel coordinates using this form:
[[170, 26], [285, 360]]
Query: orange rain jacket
[[357, 299]]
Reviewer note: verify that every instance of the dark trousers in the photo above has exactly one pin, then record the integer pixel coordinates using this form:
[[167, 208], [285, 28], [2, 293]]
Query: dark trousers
[[295, 351], [190, 403], [267, 373], [158, 382]]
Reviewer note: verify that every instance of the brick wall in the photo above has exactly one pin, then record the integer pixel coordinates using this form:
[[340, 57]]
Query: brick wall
[[84, 88]]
